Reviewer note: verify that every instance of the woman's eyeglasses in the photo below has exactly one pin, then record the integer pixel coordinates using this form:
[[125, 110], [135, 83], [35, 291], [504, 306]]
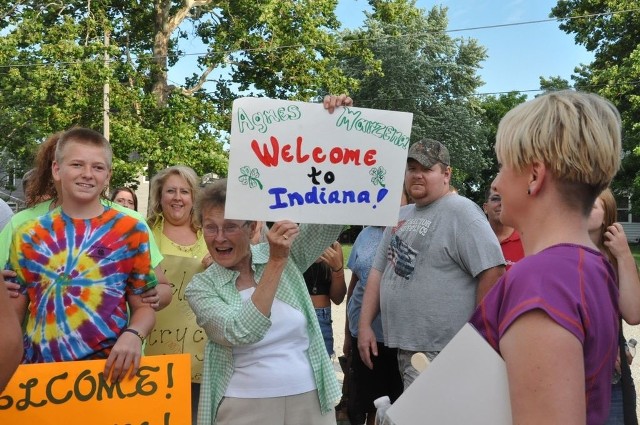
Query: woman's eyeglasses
[[227, 230]]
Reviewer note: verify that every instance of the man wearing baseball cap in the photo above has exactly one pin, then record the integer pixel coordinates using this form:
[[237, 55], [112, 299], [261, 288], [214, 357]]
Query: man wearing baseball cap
[[432, 268]]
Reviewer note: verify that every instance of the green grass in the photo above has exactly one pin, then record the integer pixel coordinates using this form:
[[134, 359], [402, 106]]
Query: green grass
[[346, 251], [635, 250]]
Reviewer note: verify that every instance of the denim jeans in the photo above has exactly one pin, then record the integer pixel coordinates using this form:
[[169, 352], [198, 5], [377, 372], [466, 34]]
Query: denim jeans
[[616, 411], [195, 398], [324, 319]]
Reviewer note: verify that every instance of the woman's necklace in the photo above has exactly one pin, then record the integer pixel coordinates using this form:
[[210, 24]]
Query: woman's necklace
[[316, 274], [187, 249]]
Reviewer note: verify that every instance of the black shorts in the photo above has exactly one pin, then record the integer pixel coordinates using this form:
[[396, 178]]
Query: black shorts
[[365, 385]]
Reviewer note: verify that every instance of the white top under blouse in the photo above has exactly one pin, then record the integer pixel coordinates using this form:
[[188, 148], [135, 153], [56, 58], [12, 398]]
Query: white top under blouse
[[278, 365]]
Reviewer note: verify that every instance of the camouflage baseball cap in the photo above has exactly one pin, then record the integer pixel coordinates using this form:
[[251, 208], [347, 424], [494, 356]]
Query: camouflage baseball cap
[[429, 152]]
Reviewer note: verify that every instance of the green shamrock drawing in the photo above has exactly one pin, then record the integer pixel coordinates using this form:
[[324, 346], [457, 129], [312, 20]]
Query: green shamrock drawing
[[378, 174], [250, 176]]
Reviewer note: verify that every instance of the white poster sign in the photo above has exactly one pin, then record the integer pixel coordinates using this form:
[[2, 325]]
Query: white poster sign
[[466, 384], [295, 161]]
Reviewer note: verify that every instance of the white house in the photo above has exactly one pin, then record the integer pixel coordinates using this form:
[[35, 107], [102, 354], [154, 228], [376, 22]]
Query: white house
[[630, 222]]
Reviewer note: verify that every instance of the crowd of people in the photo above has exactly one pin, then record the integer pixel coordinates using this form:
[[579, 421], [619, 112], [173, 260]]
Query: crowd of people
[[251, 301]]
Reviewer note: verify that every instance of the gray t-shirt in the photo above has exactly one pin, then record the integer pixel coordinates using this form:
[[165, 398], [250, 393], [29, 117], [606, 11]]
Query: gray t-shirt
[[429, 263]]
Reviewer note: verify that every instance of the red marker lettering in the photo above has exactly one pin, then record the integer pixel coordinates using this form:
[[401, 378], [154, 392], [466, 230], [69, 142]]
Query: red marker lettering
[[300, 158], [270, 155]]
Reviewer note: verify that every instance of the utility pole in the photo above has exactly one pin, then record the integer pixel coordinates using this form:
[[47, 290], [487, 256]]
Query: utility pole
[[106, 89]]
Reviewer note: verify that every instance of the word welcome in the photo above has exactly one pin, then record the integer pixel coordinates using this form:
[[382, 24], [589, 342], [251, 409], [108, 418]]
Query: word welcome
[[283, 198], [352, 119], [85, 386], [261, 120], [335, 155], [78, 392]]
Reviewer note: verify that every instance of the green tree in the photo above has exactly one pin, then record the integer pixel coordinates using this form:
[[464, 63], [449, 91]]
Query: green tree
[[493, 109], [554, 83], [612, 33], [53, 70], [421, 69]]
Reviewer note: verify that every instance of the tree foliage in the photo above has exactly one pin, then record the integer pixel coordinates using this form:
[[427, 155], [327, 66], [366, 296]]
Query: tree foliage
[[612, 33], [421, 69], [554, 84], [493, 109], [53, 70]]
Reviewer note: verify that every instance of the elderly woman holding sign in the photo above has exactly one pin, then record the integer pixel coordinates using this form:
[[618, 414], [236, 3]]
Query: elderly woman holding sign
[[265, 361]]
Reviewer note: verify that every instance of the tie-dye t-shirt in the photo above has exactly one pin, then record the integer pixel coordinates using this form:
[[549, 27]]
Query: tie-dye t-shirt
[[76, 274]]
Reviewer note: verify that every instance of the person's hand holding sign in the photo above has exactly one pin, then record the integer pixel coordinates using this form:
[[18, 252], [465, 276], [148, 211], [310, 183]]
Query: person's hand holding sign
[[124, 357], [331, 102], [280, 237], [127, 351]]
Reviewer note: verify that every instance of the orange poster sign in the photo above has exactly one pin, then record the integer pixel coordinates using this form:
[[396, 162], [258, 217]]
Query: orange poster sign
[[76, 393]]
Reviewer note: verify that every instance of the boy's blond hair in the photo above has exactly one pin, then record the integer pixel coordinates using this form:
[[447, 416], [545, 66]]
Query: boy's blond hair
[[84, 136], [576, 135]]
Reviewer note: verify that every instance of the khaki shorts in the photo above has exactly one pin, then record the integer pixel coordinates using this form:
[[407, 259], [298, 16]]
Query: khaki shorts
[[289, 410]]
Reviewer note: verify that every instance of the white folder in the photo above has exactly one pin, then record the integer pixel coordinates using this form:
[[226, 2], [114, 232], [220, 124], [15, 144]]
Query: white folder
[[465, 384]]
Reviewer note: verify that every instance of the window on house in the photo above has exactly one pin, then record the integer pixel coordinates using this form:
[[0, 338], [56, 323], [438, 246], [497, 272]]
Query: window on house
[[622, 203]]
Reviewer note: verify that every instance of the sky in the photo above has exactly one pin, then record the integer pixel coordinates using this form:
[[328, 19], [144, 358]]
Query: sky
[[517, 55]]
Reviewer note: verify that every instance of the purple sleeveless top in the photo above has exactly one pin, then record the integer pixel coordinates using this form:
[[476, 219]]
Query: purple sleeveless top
[[576, 287]]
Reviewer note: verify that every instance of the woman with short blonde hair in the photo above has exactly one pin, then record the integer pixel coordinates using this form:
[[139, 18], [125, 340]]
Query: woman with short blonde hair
[[555, 311]]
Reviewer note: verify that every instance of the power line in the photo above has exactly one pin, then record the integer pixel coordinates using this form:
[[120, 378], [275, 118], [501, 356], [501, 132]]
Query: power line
[[297, 46], [581, 87], [417, 35], [539, 21]]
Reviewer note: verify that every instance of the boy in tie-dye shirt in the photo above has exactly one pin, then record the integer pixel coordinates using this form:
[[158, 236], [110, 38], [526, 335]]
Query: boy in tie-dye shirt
[[81, 265]]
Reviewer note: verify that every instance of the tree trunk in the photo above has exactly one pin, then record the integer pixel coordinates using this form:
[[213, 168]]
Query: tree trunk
[[160, 52]]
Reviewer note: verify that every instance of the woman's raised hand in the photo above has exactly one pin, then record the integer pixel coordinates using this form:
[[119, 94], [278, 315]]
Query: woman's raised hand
[[280, 237]]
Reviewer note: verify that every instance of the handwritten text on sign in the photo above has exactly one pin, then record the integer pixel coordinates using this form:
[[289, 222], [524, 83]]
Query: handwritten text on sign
[[75, 393], [176, 330], [294, 160]]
